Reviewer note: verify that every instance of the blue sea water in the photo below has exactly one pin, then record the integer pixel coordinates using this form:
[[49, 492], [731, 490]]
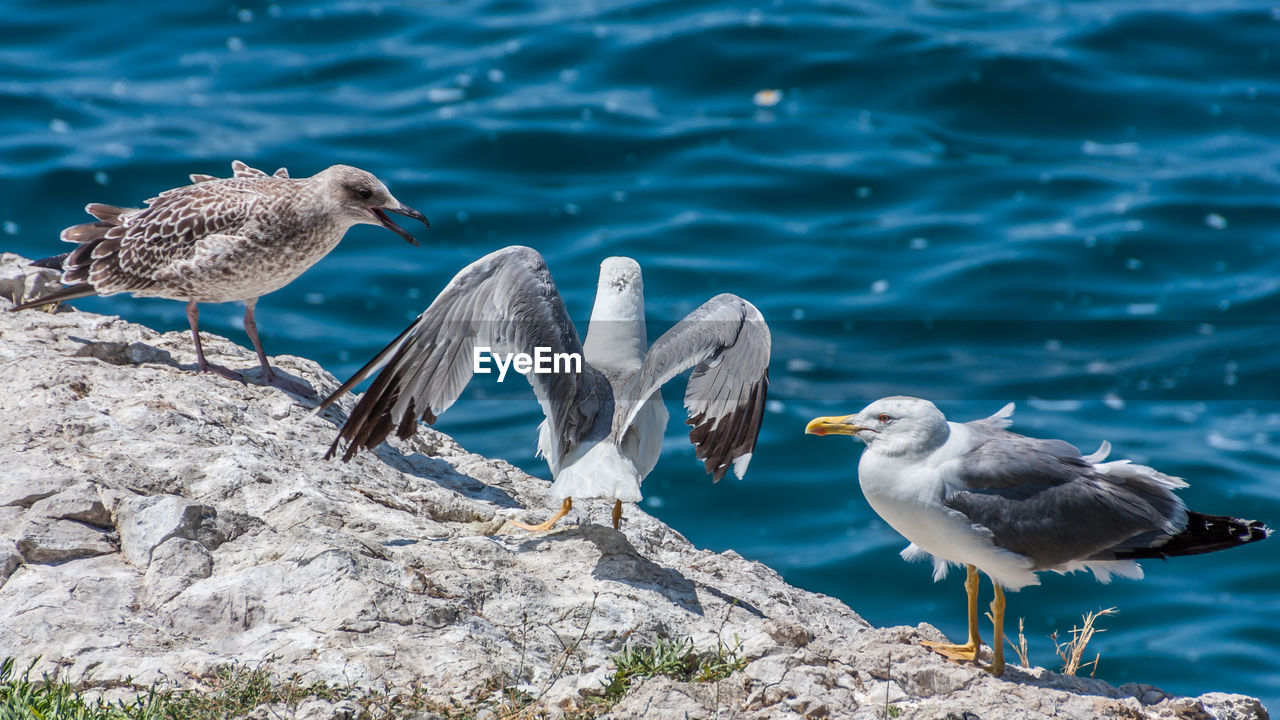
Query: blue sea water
[[1068, 205]]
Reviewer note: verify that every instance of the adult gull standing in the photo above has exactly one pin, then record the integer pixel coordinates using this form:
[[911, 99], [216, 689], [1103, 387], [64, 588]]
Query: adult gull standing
[[605, 422], [222, 240], [977, 495]]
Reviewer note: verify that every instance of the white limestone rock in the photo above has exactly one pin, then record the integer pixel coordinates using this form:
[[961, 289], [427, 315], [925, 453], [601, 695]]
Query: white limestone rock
[[19, 280], [80, 502], [10, 558], [147, 522], [175, 564], [241, 544], [22, 487], [10, 515]]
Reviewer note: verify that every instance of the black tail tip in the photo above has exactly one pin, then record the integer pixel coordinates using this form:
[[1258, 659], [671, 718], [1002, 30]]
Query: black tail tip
[[1258, 531], [1245, 531], [1204, 534], [1210, 533]]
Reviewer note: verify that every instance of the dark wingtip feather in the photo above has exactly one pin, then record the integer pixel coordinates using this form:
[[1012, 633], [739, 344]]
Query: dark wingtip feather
[[1204, 534], [409, 423], [370, 421], [66, 293], [718, 445], [53, 263]]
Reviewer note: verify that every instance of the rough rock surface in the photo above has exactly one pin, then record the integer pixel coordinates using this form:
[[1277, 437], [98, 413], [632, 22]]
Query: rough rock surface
[[81, 503], [155, 523]]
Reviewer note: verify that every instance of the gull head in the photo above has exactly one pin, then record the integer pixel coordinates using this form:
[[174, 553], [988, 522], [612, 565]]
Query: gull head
[[621, 275], [620, 294], [893, 426], [361, 198]]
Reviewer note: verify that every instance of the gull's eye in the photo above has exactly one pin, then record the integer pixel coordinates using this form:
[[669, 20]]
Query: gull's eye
[[364, 193], [884, 418]]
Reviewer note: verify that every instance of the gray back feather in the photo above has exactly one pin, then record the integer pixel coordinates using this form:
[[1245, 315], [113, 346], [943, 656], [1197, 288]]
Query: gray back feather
[[727, 343], [1042, 499]]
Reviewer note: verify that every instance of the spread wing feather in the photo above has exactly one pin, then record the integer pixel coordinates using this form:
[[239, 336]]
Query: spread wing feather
[[506, 301], [727, 343]]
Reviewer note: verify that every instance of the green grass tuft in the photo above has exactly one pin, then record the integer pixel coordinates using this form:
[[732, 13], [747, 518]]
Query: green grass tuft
[[674, 658], [24, 699], [233, 691]]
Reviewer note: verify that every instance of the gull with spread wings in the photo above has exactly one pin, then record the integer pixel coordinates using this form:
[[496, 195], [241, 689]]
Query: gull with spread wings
[[605, 423]]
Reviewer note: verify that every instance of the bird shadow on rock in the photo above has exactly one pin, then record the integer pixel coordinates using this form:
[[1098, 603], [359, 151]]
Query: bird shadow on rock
[[1076, 684], [140, 353], [620, 561], [286, 381], [424, 466], [731, 600], [1013, 673], [447, 476], [444, 475], [119, 353]]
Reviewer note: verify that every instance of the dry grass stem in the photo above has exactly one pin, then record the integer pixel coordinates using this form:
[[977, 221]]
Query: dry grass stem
[[1021, 648], [1072, 651]]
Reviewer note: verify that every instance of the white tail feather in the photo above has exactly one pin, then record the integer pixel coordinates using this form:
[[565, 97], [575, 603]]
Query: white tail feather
[[1103, 570], [602, 472]]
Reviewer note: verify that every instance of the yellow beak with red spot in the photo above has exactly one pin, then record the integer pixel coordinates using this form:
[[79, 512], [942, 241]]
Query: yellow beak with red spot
[[833, 426]]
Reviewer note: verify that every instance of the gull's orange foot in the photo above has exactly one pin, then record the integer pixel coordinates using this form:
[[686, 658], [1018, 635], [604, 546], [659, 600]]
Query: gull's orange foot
[[958, 653], [565, 507]]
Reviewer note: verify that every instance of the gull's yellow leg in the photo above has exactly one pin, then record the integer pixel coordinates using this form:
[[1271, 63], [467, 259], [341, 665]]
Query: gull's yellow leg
[[997, 630], [565, 507], [617, 513], [968, 651]]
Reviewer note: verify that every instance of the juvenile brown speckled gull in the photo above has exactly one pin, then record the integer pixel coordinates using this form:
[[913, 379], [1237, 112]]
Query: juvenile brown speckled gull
[[222, 240]]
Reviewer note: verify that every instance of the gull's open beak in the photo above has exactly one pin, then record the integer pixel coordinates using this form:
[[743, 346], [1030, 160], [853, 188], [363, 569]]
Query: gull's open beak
[[386, 222], [832, 426]]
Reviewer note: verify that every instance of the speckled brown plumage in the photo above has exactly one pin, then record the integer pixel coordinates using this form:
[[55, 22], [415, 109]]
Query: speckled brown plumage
[[221, 240]]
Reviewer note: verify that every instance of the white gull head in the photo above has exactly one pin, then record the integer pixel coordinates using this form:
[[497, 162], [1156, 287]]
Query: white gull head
[[617, 337], [897, 425], [620, 290]]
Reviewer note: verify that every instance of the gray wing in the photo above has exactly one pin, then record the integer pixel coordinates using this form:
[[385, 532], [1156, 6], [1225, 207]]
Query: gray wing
[[506, 301], [1042, 499], [727, 343]]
